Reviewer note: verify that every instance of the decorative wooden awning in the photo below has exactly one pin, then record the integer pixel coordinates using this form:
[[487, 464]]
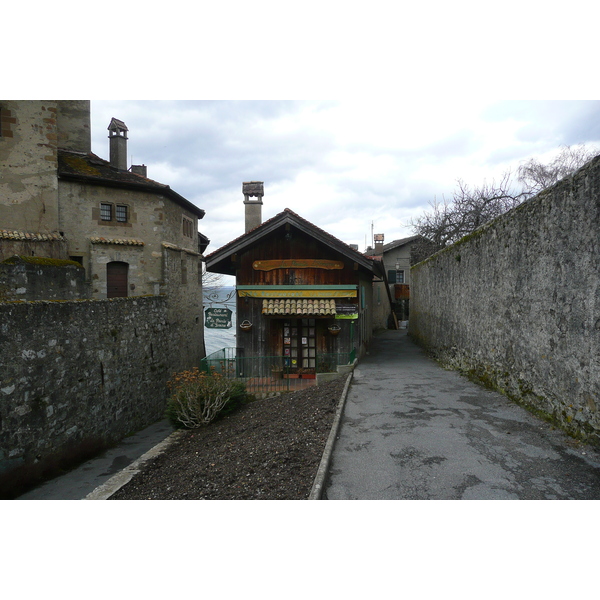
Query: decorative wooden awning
[[299, 307]]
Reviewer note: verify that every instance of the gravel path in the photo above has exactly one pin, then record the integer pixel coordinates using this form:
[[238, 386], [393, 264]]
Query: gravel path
[[267, 450]]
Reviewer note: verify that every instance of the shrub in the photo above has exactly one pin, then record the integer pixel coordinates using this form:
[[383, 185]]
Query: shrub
[[197, 398]]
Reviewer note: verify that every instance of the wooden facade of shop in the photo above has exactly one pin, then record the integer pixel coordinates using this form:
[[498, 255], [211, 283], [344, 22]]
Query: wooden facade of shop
[[297, 288]]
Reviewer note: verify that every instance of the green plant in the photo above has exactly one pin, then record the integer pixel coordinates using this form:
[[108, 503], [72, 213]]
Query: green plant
[[197, 397]]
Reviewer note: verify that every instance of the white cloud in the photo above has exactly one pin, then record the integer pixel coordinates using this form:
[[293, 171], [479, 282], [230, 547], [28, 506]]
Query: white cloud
[[340, 164]]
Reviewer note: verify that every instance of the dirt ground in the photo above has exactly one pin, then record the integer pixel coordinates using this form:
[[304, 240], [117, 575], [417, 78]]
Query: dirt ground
[[269, 449]]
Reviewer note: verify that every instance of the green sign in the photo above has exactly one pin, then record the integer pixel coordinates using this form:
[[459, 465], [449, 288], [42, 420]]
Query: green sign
[[353, 316], [217, 318]]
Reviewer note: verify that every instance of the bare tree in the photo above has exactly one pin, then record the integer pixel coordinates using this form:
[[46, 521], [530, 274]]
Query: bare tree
[[471, 207], [211, 282], [535, 176]]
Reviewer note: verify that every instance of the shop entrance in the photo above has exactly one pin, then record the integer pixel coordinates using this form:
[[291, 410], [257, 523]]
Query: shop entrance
[[300, 345]]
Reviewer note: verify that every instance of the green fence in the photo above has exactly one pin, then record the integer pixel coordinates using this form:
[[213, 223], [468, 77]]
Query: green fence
[[270, 373]]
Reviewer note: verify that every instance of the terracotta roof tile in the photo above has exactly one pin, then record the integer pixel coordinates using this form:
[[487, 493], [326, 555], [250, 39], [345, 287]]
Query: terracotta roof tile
[[6, 234], [297, 307], [118, 241]]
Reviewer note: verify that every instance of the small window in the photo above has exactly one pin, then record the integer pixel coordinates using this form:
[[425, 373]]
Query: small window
[[6, 120], [188, 228], [106, 212], [399, 276], [121, 213], [183, 271]]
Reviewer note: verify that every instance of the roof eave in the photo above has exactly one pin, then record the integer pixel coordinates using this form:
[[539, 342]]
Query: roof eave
[[270, 226], [167, 191]]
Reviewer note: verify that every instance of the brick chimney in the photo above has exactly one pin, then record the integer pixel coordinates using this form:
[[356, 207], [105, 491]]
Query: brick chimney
[[117, 134], [378, 243], [253, 207]]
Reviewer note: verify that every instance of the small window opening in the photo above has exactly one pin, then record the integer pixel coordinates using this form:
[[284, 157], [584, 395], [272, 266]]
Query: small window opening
[[121, 213], [106, 212]]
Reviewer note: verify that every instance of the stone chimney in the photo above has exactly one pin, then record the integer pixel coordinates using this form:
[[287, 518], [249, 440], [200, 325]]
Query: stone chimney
[[139, 170], [253, 207], [117, 134], [378, 243]]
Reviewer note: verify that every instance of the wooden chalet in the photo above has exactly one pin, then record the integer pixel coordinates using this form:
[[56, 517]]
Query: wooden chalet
[[302, 294]]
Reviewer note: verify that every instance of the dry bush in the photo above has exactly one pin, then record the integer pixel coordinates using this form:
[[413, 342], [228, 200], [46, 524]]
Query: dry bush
[[197, 397]]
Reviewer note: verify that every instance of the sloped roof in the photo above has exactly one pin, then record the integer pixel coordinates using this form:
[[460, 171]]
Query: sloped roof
[[10, 234], [92, 169], [392, 246], [287, 216]]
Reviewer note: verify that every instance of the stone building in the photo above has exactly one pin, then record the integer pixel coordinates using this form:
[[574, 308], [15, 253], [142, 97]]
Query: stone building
[[106, 266], [396, 257], [132, 235]]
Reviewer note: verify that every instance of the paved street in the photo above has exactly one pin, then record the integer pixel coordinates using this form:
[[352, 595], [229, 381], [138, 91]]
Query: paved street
[[78, 483], [412, 430]]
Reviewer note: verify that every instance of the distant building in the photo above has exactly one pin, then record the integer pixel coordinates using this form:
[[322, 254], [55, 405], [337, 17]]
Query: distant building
[[396, 258]]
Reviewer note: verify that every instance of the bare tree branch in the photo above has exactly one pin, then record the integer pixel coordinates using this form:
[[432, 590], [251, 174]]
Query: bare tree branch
[[472, 207], [536, 176]]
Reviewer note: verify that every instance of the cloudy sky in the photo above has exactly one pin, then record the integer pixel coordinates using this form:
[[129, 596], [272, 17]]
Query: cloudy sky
[[353, 115], [356, 117], [350, 167]]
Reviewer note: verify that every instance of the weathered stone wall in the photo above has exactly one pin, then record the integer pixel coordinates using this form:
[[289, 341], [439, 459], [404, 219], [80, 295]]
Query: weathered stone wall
[[182, 276], [81, 370], [28, 163], [25, 278], [517, 303]]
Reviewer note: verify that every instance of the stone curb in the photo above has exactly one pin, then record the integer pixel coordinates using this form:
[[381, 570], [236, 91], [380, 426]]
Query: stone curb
[[115, 483], [319, 483]]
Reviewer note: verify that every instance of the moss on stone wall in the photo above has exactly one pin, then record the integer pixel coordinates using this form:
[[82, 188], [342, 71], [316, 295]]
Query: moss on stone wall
[[41, 260]]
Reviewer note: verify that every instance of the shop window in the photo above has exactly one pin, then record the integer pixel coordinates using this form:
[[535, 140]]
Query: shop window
[[299, 344]]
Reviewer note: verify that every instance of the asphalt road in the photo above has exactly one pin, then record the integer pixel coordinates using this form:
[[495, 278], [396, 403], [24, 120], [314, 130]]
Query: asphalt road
[[413, 430]]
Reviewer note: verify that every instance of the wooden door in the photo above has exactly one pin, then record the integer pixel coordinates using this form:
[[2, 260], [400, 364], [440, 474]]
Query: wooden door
[[299, 344], [116, 279]]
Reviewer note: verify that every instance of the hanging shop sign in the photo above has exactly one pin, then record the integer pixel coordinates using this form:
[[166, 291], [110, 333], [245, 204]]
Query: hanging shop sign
[[346, 311], [296, 291], [297, 263], [217, 318]]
